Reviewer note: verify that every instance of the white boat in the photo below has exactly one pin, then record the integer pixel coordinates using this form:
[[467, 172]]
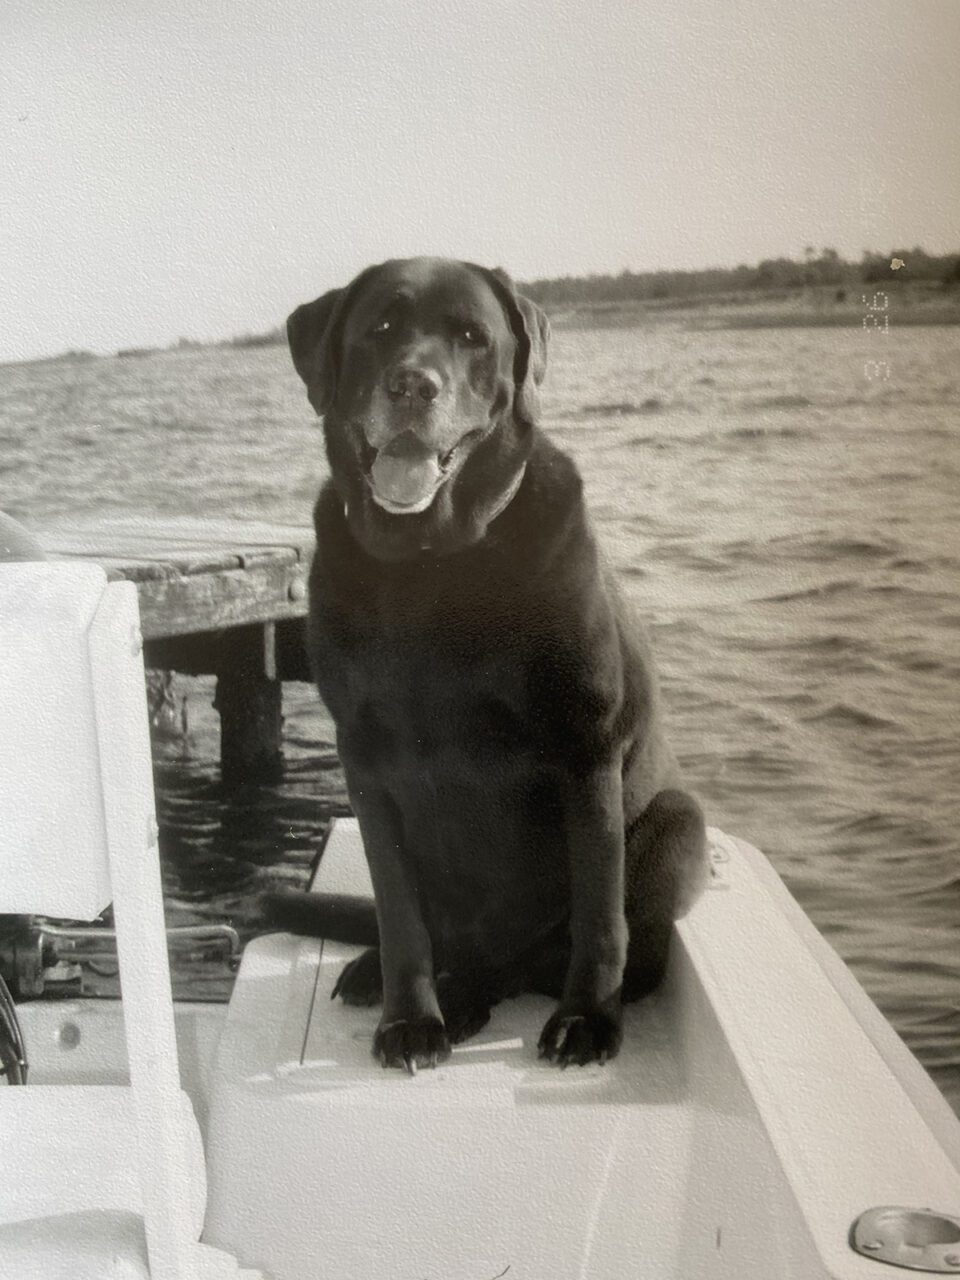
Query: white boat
[[762, 1121]]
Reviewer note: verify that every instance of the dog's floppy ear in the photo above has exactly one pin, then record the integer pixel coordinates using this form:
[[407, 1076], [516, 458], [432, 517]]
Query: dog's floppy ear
[[309, 333], [532, 331], [313, 332], [538, 331]]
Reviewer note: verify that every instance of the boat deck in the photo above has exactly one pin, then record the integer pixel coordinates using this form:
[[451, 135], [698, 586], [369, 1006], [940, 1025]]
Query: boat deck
[[687, 1155]]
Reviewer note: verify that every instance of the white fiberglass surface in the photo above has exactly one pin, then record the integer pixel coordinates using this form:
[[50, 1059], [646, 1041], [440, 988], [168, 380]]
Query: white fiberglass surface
[[82, 1042]]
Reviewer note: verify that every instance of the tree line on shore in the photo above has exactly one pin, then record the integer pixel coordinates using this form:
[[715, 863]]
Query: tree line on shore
[[772, 277], [813, 270]]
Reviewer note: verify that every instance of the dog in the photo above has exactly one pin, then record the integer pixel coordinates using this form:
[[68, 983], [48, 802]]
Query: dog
[[496, 708]]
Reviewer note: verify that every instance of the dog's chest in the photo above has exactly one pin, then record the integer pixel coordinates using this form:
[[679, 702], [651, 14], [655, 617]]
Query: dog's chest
[[426, 669], [424, 701]]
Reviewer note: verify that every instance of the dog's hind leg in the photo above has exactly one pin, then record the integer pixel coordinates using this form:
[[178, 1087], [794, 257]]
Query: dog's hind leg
[[361, 980], [666, 866]]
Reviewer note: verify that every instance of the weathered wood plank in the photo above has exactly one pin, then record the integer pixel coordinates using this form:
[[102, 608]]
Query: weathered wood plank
[[267, 555], [151, 536], [138, 566], [242, 574], [173, 562], [214, 601], [132, 570], [219, 532], [175, 558]]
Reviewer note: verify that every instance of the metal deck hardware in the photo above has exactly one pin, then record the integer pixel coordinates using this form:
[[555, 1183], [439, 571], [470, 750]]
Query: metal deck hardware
[[39, 957], [919, 1239]]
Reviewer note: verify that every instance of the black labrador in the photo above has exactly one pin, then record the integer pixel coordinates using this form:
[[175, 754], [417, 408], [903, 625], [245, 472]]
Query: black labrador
[[496, 708]]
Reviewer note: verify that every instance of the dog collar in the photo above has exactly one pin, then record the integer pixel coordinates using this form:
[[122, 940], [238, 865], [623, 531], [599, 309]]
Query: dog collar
[[501, 505], [509, 496]]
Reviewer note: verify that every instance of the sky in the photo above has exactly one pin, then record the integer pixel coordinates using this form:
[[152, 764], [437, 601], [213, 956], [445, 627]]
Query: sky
[[196, 170]]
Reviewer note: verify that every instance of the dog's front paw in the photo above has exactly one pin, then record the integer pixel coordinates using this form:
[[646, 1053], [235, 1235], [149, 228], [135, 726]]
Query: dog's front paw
[[410, 1045], [593, 1036], [361, 980]]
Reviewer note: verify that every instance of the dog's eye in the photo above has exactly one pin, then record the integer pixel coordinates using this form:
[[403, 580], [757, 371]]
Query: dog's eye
[[471, 335], [381, 327]]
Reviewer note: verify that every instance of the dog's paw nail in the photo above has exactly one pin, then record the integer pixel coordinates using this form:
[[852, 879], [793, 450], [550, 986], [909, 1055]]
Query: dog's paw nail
[[580, 1038], [411, 1045]]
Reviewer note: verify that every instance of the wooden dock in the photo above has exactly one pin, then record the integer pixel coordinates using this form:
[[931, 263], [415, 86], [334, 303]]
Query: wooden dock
[[216, 598]]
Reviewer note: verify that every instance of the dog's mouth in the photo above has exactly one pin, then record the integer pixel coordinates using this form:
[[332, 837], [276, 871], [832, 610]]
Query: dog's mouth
[[405, 476]]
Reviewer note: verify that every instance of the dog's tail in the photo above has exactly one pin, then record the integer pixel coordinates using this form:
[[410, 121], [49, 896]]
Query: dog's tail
[[340, 917]]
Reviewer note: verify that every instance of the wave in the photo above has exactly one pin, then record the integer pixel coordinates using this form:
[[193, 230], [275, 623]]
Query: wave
[[623, 408], [873, 823], [821, 546], [847, 714], [653, 442], [778, 402], [923, 663], [772, 433], [827, 655], [763, 764], [792, 700], [823, 591], [676, 553]]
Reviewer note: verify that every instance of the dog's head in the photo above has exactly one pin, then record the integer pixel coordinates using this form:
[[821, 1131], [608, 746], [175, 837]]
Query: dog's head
[[426, 373]]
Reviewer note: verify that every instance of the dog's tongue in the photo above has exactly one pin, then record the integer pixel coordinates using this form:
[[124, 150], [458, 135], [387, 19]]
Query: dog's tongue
[[405, 473]]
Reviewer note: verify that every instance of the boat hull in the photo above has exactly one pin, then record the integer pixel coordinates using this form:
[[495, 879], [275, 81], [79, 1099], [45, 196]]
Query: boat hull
[[759, 1106]]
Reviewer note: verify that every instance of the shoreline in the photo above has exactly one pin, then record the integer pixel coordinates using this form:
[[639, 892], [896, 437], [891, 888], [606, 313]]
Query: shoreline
[[848, 308], [799, 309]]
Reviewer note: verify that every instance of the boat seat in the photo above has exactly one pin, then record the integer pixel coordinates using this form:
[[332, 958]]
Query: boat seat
[[96, 1245], [100, 1180], [78, 1146]]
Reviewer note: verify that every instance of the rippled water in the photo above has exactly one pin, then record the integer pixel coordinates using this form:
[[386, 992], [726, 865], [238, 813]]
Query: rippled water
[[790, 530]]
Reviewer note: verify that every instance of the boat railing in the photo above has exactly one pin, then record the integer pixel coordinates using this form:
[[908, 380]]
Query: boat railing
[[40, 957]]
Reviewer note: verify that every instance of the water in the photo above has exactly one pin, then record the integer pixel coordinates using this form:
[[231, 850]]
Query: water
[[790, 530]]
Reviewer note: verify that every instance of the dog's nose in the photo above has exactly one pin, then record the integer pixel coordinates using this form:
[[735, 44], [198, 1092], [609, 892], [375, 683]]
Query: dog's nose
[[411, 381]]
